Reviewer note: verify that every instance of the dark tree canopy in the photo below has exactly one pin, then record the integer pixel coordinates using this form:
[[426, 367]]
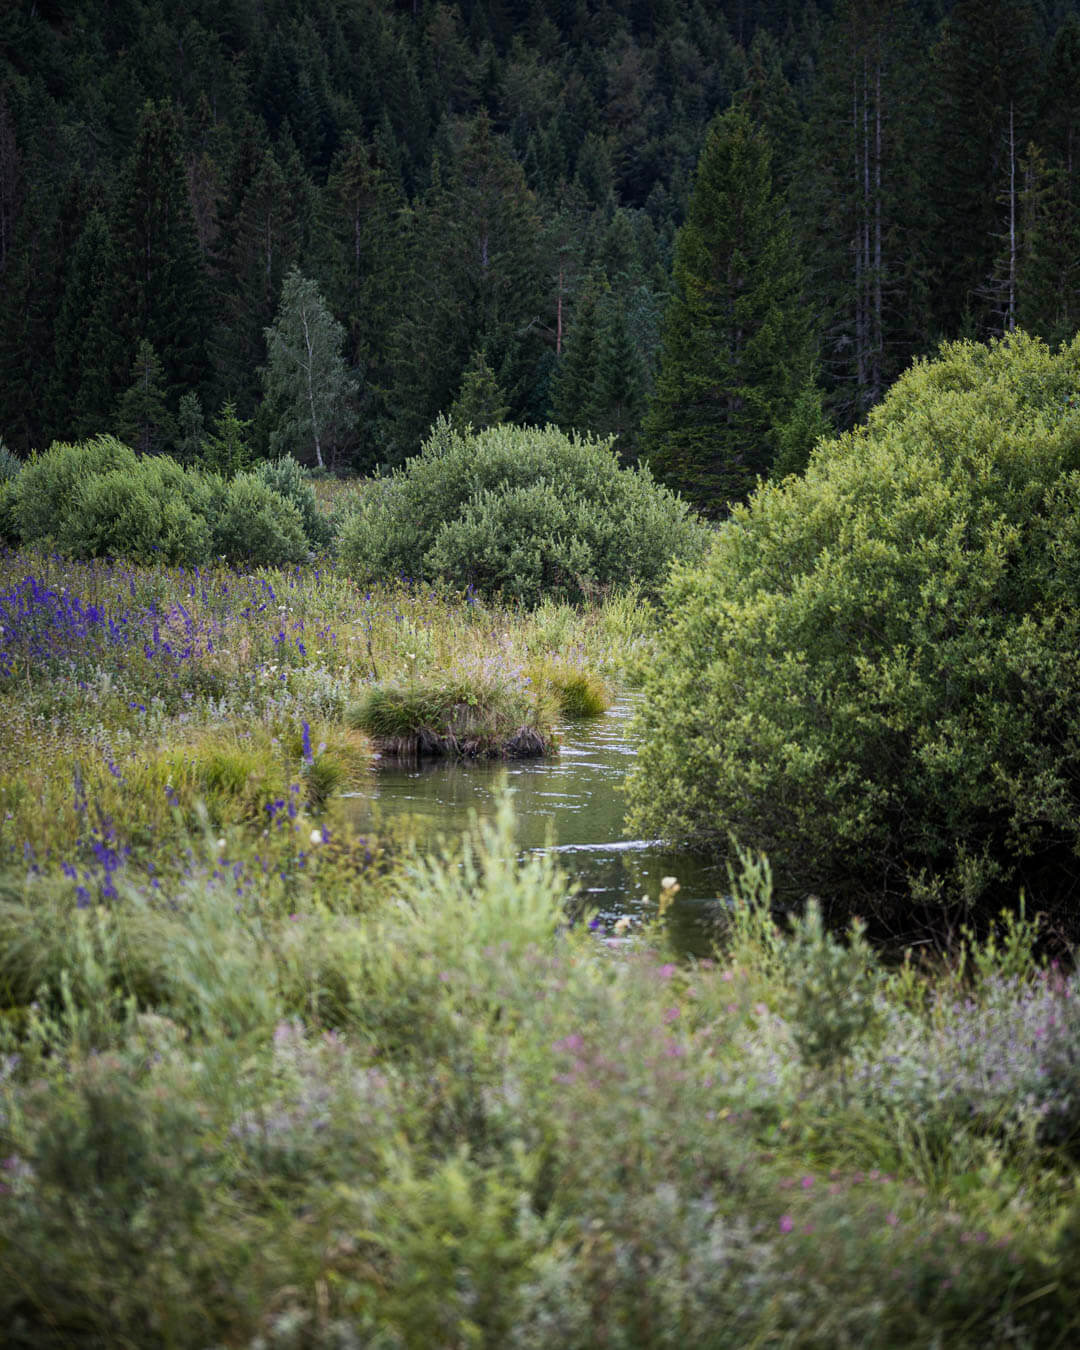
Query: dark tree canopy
[[463, 176]]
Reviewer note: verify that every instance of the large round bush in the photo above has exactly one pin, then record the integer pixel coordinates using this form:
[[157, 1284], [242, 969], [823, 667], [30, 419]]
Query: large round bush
[[289, 479], [150, 511], [875, 675], [257, 526], [45, 489], [524, 511]]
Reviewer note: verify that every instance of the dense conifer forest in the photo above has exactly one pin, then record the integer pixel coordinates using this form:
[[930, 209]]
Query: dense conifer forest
[[483, 202]]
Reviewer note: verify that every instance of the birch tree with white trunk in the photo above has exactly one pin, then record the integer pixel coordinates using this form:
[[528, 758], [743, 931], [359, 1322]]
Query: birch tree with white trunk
[[305, 380]]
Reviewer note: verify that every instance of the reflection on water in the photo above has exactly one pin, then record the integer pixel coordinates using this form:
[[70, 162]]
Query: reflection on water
[[572, 802]]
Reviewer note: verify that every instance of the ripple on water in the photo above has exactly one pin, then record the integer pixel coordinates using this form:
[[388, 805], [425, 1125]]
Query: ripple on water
[[573, 798]]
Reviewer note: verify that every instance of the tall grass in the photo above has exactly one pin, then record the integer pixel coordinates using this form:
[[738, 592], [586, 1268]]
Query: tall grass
[[460, 1121], [267, 1083]]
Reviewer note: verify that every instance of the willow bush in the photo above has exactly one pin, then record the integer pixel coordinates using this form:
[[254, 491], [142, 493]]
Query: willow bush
[[527, 512], [875, 675]]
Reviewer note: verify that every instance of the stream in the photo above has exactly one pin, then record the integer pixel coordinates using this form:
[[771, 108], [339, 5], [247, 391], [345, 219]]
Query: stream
[[571, 802]]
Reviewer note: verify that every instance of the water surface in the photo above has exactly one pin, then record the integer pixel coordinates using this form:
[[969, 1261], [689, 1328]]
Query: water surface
[[572, 802]]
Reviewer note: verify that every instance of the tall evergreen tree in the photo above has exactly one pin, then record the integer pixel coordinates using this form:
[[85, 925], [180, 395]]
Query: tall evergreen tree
[[266, 241], [481, 402], [619, 384], [737, 349], [358, 255], [10, 179], [477, 280], [90, 363], [575, 374], [161, 283], [986, 70], [142, 416], [860, 203]]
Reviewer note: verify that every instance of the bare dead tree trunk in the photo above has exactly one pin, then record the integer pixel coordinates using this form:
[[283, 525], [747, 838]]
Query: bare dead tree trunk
[[1010, 313], [309, 371], [879, 317]]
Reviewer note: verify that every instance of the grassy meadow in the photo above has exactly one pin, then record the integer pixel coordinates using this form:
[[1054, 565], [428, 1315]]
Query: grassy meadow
[[268, 1083]]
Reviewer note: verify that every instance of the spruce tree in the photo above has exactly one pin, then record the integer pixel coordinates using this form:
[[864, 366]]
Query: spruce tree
[[160, 287], [986, 67], [89, 359], [575, 374], [357, 254], [737, 348], [226, 450], [142, 417], [619, 382], [481, 402], [266, 241], [860, 203], [191, 429]]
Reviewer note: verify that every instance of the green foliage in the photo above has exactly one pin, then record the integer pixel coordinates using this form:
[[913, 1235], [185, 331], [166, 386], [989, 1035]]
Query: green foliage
[[226, 450], [481, 402], [47, 485], [98, 498], [151, 511], [305, 380], [160, 283], [831, 988], [9, 532], [142, 415], [254, 1120], [737, 349], [288, 479], [873, 677], [577, 692], [524, 511], [255, 525], [10, 463], [191, 429], [482, 711]]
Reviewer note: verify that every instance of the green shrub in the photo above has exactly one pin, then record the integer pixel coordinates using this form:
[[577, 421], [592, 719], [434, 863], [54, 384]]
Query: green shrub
[[10, 463], [153, 510], [289, 480], [9, 533], [576, 691], [522, 511], [487, 712], [46, 487], [875, 675], [257, 525]]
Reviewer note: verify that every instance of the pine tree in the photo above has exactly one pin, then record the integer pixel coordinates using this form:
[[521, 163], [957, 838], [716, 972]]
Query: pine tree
[[266, 242], [1048, 271], [307, 387], [191, 429], [575, 374], [226, 450], [986, 67], [358, 256], [10, 180], [476, 279], [49, 224], [481, 402], [142, 416], [89, 368], [160, 286], [860, 203], [737, 347], [619, 384]]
